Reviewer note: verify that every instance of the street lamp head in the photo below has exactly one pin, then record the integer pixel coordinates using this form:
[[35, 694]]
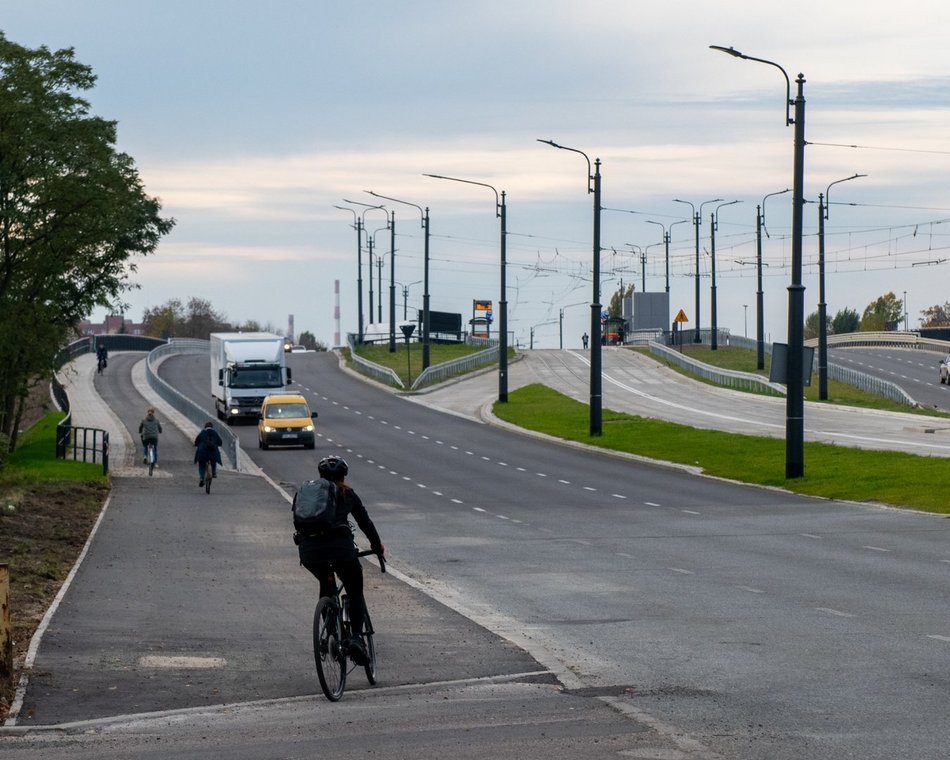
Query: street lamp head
[[549, 142], [728, 50]]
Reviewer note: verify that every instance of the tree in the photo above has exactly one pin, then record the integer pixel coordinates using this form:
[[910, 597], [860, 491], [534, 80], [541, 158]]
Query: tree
[[882, 314], [615, 309], [309, 341], [845, 321], [164, 321], [937, 315], [201, 319], [73, 213], [811, 326]]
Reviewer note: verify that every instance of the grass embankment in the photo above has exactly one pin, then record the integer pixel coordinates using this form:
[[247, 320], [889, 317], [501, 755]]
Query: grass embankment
[[744, 360], [47, 509], [835, 472], [403, 366]]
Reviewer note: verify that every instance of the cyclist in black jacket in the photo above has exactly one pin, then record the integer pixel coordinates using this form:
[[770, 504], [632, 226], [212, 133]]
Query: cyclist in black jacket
[[335, 549]]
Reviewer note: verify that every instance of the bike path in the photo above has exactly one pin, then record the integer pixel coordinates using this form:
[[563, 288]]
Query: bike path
[[186, 599]]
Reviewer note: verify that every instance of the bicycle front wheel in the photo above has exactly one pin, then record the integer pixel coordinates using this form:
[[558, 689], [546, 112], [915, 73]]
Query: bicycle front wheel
[[328, 649], [370, 666]]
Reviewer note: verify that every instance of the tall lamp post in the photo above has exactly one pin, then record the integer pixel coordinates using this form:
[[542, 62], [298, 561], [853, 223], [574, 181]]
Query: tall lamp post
[[596, 348], [359, 221], [759, 293], [561, 321], [823, 205], [697, 220], [425, 276], [714, 321], [501, 213], [795, 381], [666, 239]]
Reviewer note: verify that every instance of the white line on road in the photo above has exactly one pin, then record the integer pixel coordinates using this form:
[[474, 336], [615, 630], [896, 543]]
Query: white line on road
[[831, 611], [875, 548], [682, 571]]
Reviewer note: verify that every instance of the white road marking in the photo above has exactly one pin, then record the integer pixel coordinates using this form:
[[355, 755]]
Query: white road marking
[[831, 611], [682, 571], [875, 548]]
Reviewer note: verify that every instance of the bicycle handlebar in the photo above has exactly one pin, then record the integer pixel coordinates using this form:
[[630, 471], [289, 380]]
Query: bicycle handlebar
[[380, 557]]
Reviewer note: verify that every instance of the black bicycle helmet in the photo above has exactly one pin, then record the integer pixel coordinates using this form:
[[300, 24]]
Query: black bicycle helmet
[[332, 467]]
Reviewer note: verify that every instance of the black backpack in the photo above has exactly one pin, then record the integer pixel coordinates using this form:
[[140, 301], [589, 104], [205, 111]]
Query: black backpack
[[315, 506]]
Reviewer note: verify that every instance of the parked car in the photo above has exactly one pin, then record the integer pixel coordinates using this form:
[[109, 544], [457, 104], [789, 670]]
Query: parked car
[[285, 420], [945, 370]]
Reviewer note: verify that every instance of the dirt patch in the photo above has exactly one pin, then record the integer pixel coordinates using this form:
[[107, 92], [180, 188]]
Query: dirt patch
[[43, 528]]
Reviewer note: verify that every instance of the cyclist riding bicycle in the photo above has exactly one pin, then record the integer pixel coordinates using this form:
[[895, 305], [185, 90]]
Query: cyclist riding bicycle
[[335, 550], [207, 449], [149, 429]]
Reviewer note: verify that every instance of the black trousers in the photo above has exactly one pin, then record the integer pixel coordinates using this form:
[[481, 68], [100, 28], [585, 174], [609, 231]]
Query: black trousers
[[350, 572]]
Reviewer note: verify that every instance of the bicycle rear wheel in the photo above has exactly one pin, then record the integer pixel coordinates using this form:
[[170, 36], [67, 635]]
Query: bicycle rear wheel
[[328, 649], [208, 475], [370, 666], [151, 459]]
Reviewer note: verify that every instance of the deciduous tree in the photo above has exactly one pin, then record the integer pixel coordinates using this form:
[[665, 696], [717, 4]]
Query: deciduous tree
[[73, 213]]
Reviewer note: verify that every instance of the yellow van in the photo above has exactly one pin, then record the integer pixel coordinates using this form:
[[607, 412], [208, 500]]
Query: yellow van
[[285, 420]]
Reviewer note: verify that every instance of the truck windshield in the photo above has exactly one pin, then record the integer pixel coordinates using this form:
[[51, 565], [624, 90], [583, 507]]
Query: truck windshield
[[258, 377]]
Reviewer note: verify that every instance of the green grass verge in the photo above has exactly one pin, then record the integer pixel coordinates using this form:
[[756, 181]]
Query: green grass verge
[[35, 458], [744, 360], [398, 362], [835, 472]]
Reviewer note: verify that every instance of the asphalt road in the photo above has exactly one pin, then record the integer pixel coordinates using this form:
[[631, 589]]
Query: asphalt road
[[746, 622], [760, 623], [916, 371]]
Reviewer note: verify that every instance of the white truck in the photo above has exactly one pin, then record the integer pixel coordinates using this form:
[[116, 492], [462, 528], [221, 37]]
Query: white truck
[[245, 367]]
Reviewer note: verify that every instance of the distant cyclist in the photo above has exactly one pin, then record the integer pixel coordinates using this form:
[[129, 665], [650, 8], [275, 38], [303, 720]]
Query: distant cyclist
[[102, 357], [149, 430], [335, 551], [208, 449]]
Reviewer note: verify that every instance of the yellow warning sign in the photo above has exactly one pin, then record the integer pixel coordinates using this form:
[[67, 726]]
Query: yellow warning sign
[[681, 317]]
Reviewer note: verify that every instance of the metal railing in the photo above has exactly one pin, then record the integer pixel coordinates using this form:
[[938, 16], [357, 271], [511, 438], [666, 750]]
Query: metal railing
[[385, 375], [439, 372], [861, 380], [744, 381], [181, 403], [86, 444], [67, 435]]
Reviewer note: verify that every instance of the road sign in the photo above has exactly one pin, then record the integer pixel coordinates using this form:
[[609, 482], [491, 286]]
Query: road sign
[[681, 317]]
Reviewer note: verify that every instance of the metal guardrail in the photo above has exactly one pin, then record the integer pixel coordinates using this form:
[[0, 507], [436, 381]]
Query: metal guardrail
[[385, 375], [744, 381], [439, 372], [853, 377], [433, 374], [180, 402]]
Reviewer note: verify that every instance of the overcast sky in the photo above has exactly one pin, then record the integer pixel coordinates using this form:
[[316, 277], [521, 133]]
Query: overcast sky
[[251, 120]]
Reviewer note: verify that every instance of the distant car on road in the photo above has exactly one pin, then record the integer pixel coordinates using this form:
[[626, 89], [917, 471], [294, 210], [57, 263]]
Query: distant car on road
[[945, 370], [298, 349]]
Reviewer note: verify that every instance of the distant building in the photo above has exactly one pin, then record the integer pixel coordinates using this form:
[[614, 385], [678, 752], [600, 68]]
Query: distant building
[[114, 324]]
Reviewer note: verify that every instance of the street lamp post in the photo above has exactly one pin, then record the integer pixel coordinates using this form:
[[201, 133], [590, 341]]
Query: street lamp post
[[823, 205], [501, 212], [714, 321], [392, 282], [596, 348], [795, 381], [425, 287], [697, 219], [360, 223], [561, 321], [759, 293], [666, 240], [405, 297]]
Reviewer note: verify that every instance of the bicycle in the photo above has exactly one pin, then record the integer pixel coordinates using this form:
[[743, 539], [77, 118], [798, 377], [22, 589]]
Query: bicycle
[[101, 365], [150, 457], [331, 633]]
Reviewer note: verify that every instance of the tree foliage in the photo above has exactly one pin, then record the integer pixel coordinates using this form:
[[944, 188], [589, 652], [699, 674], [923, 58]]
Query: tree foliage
[[937, 315], [845, 321], [309, 341], [615, 309], [883, 313], [73, 212], [172, 319]]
